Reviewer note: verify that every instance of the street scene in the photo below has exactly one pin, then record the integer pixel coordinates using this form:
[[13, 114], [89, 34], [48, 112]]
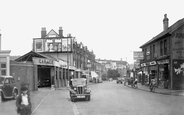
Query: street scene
[[99, 57], [108, 98]]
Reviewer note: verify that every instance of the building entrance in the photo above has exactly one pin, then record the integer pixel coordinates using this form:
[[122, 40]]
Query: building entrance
[[44, 77]]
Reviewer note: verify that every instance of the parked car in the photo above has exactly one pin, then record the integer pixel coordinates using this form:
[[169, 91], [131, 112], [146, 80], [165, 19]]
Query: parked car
[[79, 89], [8, 90], [44, 83], [119, 80]]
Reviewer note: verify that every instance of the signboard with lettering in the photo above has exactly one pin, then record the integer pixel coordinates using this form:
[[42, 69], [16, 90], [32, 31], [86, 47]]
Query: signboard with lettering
[[43, 61], [178, 44], [138, 55]]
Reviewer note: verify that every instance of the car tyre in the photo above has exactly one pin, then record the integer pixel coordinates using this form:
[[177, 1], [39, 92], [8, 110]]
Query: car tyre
[[88, 98], [2, 97]]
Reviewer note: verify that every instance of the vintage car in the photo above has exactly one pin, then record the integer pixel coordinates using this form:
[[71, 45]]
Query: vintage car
[[119, 80], [78, 89], [8, 90]]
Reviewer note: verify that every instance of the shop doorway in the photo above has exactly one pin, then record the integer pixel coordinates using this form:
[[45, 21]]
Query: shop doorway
[[44, 79]]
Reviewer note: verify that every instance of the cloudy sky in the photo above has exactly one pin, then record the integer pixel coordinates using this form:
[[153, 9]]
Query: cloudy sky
[[113, 29]]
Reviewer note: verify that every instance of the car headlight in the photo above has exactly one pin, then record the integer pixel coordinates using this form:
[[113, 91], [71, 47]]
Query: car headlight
[[75, 88]]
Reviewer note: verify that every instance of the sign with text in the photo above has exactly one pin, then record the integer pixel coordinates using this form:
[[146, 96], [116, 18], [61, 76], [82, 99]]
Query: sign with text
[[43, 61], [138, 55], [178, 44]]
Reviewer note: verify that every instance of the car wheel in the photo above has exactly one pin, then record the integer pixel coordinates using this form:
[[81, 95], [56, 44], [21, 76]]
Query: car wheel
[[2, 97], [15, 94], [87, 98]]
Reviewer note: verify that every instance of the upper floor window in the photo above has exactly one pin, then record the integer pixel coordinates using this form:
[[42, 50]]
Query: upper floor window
[[153, 51], [165, 47], [161, 48], [145, 51]]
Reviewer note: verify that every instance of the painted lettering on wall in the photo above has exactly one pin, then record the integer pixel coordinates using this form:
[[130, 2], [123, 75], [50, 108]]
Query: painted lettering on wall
[[45, 61], [178, 45]]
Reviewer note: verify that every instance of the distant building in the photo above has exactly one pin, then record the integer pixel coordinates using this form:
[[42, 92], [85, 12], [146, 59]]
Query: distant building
[[119, 65]]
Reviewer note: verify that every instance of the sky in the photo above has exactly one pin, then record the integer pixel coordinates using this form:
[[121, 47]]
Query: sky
[[113, 29]]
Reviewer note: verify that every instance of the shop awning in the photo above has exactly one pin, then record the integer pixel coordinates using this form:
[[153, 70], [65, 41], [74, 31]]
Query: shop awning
[[94, 74]]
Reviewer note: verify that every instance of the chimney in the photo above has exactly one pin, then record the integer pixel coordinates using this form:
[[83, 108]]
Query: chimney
[[43, 33], [69, 35], [165, 22], [60, 32]]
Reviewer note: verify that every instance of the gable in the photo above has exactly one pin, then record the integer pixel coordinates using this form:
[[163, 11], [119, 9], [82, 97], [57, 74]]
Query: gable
[[52, 33]]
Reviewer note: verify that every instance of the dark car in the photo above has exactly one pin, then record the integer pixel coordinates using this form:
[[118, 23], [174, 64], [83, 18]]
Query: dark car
[[8, 90], [78, 89], [119, 80]]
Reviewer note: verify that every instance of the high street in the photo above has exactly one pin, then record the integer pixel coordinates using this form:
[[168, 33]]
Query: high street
[[108, 98]]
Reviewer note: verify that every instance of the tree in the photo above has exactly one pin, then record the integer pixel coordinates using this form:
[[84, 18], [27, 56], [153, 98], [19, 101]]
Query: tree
[[113, 74]]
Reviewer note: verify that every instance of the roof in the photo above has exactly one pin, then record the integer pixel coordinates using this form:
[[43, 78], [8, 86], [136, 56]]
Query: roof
[[31, 54], [172, 28]]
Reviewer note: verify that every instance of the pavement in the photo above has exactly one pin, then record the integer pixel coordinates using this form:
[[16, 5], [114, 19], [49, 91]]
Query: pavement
[[160, 90], [41, 101]]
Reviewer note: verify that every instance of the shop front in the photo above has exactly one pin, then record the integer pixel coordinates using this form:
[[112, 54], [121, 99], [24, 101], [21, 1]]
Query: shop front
[[153, 67], [164, 78]]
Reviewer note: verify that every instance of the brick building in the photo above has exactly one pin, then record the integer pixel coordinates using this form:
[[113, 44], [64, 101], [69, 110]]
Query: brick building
[[163, 56], [56, 58]]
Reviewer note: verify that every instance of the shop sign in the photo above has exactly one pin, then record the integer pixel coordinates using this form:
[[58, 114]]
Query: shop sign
[[143, 64], [163, 61], [138, 55], [153, 63], [63, 64], [43, 61], [72, 68]]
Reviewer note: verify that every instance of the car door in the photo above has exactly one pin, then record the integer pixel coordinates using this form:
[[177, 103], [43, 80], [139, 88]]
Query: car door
[[7, 88]]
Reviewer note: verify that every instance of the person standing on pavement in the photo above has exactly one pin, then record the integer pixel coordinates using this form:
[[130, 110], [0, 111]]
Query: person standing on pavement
[[23, 102]]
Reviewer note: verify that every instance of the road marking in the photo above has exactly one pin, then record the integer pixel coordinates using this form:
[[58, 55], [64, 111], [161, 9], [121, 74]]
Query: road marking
[[39, 103], [75, 110]]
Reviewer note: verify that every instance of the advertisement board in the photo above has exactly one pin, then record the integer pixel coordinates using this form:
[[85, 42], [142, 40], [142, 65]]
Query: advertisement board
[[53, 45], [178, 73], [138, 55], [38, 45]]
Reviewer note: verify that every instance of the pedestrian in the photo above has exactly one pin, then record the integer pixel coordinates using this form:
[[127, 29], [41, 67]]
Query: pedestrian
[[23, 102]]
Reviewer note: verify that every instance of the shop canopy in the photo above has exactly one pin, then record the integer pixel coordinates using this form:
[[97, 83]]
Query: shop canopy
[[94, 74]]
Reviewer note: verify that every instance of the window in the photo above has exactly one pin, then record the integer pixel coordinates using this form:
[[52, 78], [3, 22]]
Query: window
[[3, 65], [165, 47], [161, 49], [3, 69], [145, 51], [3, 72], [153, 51]]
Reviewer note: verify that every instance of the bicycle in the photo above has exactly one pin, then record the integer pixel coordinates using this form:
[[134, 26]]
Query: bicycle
[[152, 87]]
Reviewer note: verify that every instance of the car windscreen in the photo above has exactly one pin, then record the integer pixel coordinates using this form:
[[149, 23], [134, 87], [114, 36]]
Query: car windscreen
[[76, 82], [1, 80]]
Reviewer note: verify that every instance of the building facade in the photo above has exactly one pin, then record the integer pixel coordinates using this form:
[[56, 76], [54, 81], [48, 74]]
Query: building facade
[[163, 56]]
